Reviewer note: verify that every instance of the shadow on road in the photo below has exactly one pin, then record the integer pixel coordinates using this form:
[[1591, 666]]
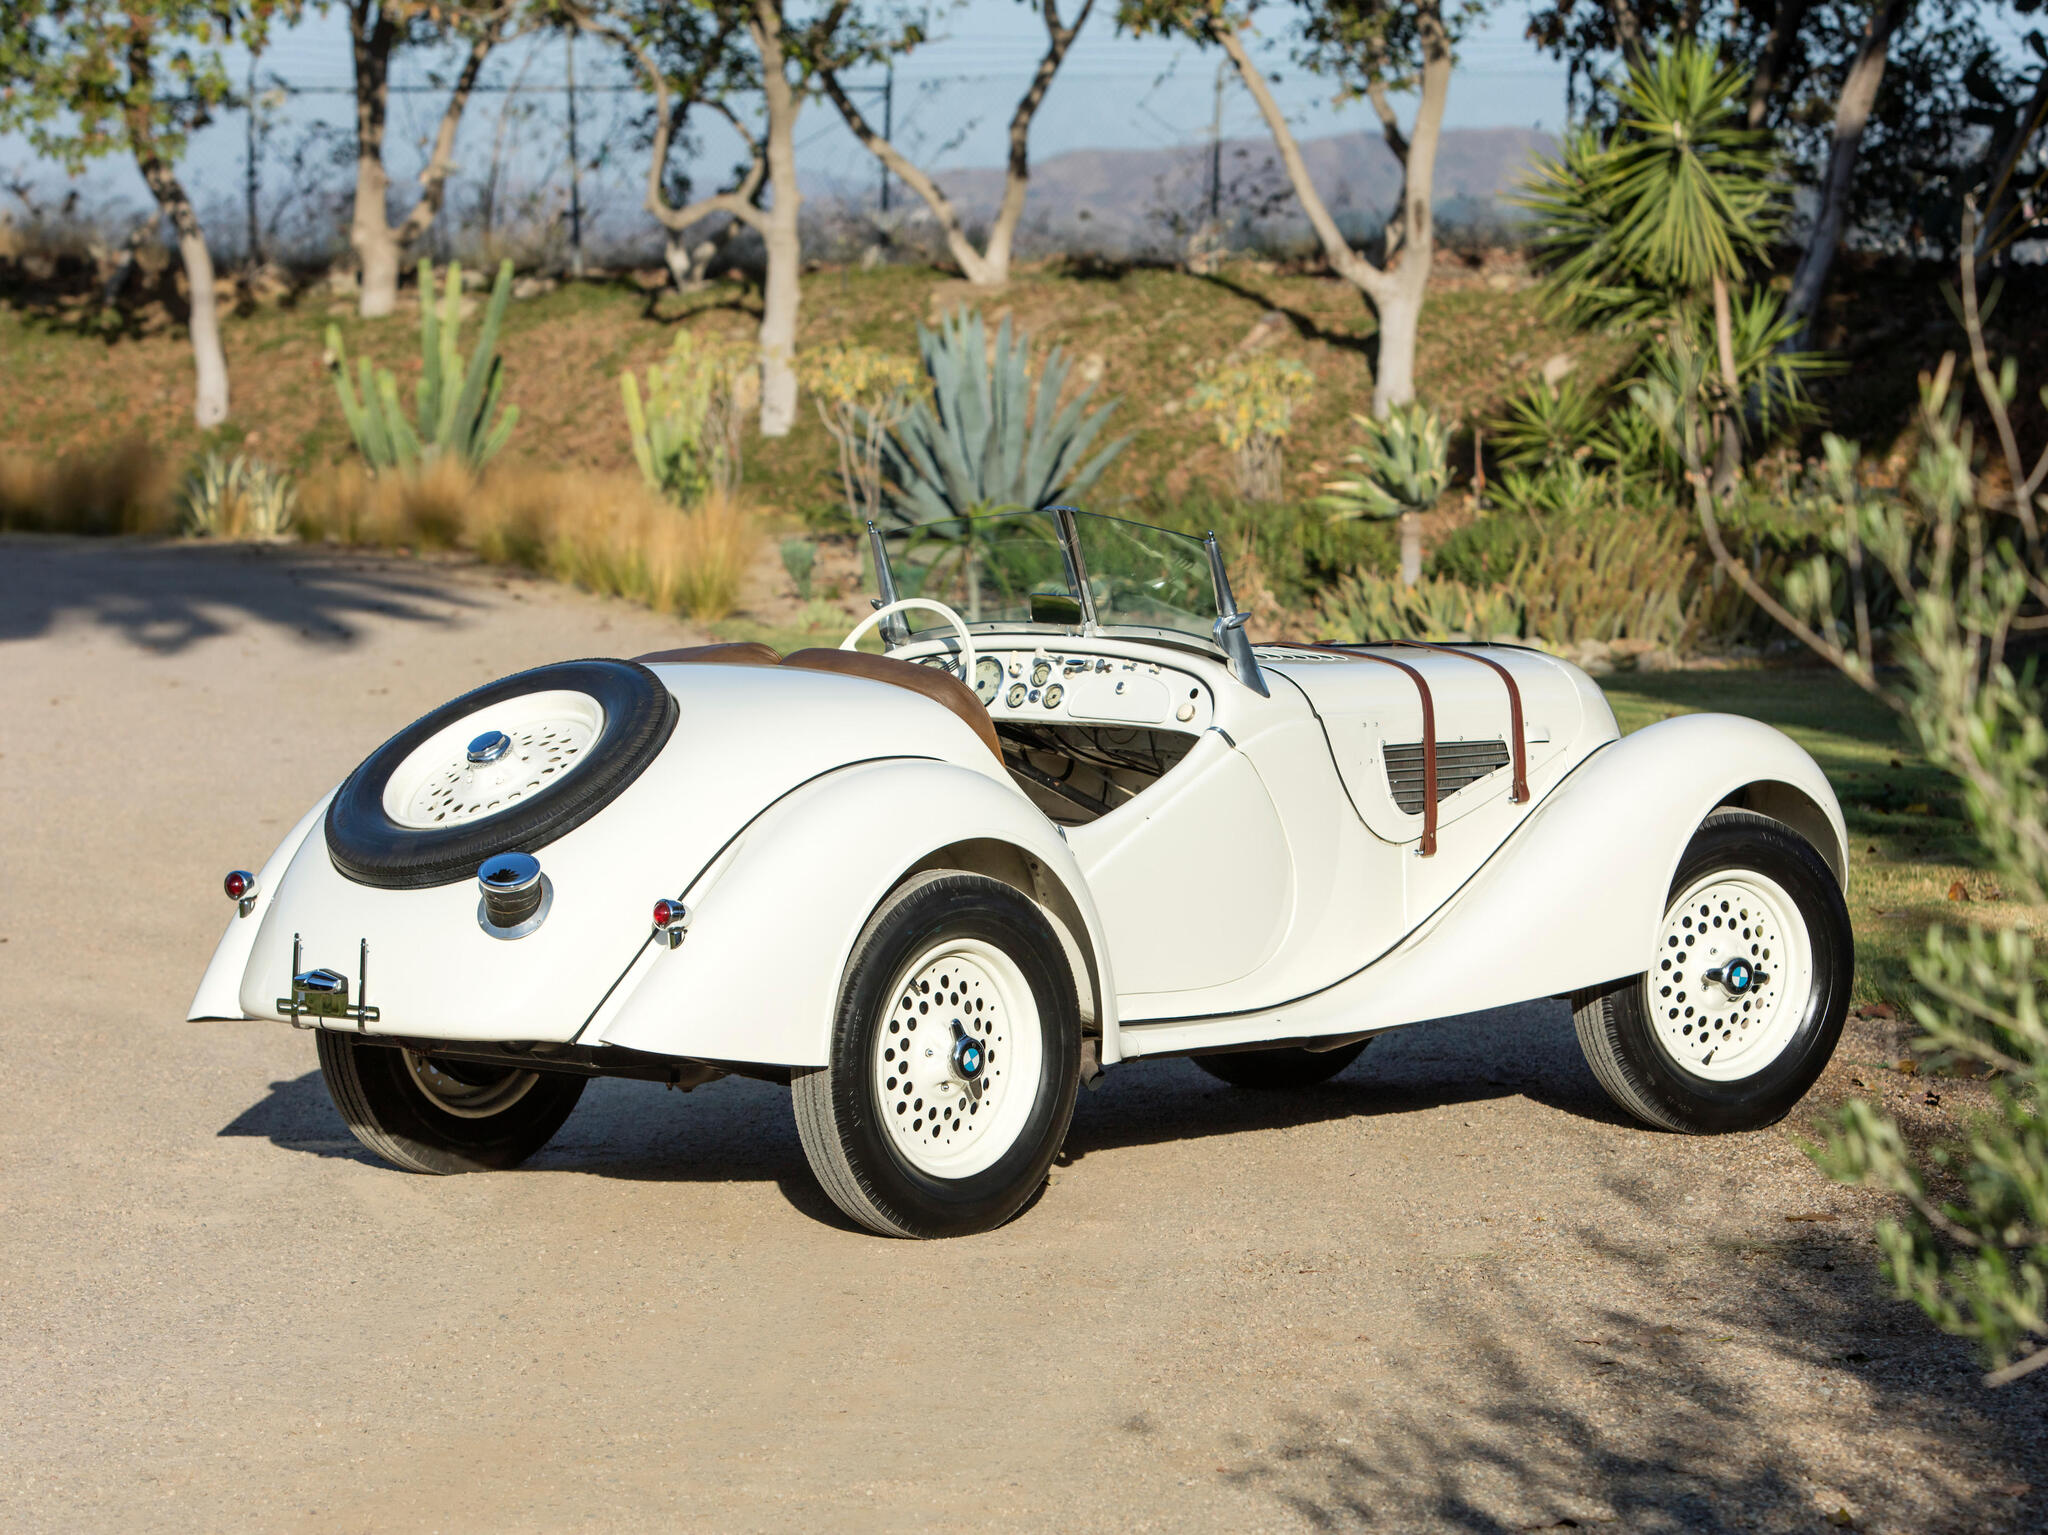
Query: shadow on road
[[1696, 1388], [163, 598]]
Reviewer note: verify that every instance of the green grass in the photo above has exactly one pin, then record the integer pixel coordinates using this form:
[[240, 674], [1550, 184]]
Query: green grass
[[1909, 846]]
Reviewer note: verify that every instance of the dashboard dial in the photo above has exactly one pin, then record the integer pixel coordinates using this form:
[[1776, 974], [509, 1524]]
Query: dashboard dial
[[1015, 697], [1040, 671], [1053, 695], [988, 678]]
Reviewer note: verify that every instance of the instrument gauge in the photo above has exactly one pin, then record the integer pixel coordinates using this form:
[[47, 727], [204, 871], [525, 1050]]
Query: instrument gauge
[[988, 678], [1053, 695], [1040, 671], [1015, 697]]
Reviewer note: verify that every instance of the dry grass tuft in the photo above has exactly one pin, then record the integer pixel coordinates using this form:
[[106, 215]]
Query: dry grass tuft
[[605, 532], [127, 489]]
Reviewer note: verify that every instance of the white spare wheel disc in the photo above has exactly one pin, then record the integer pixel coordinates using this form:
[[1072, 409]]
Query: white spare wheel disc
[[492, 759]]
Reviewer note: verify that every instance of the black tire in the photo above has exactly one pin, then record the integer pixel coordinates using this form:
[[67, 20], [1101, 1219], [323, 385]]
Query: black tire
[[386, 1108], [1280, 1070], [840, 1107], [1617, 1028], [370, 848]]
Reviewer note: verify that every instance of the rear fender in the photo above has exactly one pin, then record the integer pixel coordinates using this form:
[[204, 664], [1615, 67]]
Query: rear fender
[[219, 994], [757, 977]]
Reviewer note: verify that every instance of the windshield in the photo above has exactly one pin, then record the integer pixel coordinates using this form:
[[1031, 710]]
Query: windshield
[[1019, 568]]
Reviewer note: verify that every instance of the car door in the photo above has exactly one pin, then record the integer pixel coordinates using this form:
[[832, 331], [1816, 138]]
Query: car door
[[1194, 879]]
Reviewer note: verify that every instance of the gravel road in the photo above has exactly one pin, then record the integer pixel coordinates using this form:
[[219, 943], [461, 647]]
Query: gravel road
[[1451, 1290]]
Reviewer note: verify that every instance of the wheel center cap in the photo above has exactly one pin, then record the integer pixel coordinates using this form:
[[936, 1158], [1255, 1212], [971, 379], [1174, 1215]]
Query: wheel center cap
[[1738, 977], [488, 747], [968, 1057]]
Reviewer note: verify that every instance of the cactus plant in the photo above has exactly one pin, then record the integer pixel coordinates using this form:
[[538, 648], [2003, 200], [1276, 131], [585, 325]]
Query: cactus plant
[[986, 438], [456, 401], [1404, 465], [685, 425]]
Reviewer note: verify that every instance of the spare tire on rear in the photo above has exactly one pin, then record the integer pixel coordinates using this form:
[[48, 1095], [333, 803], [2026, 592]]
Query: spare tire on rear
[[509, 767]]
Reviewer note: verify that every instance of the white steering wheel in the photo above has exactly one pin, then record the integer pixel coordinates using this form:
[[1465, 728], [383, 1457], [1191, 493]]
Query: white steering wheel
[[967, 656]]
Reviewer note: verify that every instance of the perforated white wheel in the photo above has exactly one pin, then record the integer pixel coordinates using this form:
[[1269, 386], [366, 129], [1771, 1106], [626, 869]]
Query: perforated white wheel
[[491, 759], [1734, 968], [962, 1034], [953, 1065], [1745, 998]]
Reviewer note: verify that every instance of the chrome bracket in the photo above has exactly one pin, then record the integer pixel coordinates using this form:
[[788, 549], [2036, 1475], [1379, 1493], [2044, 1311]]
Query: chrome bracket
[[323, 993]]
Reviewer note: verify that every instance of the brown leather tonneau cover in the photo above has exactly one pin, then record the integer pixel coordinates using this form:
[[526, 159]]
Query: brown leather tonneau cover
[[940, 687]]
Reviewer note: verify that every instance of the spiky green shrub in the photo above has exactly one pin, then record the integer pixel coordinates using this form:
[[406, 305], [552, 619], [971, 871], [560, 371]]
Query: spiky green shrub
[[800, 559], [239, 498], [987, 438], [1402, 464], [1546, 424], [685, 426], [457, 401]]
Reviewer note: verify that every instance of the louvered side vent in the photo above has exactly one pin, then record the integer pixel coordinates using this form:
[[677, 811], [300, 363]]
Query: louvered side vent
[[1458, 763]]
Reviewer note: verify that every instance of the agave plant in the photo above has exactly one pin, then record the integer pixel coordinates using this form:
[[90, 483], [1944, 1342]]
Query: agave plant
[[1546, 424], [1403, 466], [987, 438], [239, 498]]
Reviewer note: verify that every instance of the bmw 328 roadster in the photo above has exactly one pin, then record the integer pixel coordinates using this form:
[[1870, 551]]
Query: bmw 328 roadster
[[1069, 816]]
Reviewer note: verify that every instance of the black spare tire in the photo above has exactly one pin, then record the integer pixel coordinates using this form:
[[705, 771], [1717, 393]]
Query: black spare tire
[[509, 767]]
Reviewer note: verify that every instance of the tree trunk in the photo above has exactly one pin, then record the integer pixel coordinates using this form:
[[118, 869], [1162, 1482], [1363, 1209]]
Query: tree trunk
[[1396, 292], [1852, 115], [380, 246], [372, 35], [210, 404], [1410, 526], [1763, 85], [990, 266], [783, 289], [210, 363], [1728, 461], [1400, 317]]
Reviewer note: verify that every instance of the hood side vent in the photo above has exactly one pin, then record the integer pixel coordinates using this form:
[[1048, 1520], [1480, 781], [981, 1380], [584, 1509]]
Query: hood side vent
[[1458, 764]]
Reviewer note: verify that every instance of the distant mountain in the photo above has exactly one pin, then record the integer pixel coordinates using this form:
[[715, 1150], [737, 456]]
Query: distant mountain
[[1119, 200]]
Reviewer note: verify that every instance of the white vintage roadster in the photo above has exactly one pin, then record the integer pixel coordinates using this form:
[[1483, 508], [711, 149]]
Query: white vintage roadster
[[1070, 817]]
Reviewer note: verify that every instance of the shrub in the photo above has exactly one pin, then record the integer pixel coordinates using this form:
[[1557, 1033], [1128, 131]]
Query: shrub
[[1251, 405], [1618, 575], [986, 439], [862, 394], [607, 533], [800, 558], [239, 498], [457, 404], [123, 489], [1547, 424], [686, 428]]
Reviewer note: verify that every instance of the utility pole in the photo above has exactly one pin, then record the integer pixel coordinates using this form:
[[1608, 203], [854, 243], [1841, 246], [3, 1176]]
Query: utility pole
[[888, 125], [249, 174], [575, 166], [1216, 152]]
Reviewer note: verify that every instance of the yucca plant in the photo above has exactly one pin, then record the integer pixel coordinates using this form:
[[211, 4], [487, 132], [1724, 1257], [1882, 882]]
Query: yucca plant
[[457, 402], [987, 437], [1403, 465], [1546, 424], [239, 498]]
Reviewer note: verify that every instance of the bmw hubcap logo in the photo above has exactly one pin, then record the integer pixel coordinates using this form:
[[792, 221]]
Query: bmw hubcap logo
[[967, 1058], [1739, 976]]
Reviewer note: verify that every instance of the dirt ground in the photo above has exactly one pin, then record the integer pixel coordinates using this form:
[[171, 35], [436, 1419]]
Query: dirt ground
[[1451, 1290]]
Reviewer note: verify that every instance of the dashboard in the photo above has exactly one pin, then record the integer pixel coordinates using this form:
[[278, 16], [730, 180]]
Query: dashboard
[[1051, 686]]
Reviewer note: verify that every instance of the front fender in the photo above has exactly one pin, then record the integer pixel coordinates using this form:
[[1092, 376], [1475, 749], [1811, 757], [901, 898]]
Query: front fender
[[220, 989], [757, 978], [1575, 898]]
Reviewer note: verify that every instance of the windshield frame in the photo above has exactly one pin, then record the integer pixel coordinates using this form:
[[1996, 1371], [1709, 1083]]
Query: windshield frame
[[895, 632]]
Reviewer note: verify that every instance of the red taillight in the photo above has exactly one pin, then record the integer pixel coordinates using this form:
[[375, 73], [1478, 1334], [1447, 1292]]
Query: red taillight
[[239, 885], [666, 912]]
